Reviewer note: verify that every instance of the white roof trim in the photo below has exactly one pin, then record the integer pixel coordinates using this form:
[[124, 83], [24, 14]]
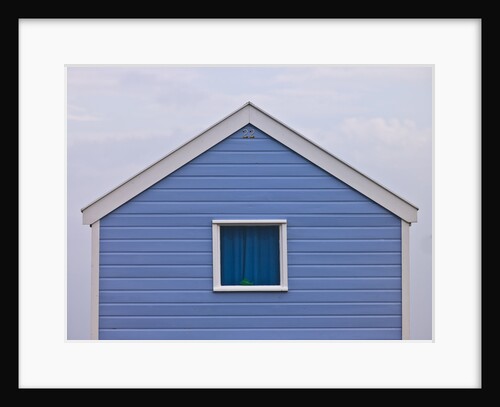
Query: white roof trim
[[248, 113]]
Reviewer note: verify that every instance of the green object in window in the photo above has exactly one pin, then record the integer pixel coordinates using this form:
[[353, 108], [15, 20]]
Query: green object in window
[[245, 282]]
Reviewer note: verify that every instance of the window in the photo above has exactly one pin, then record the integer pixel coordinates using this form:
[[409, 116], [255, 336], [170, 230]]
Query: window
[[249, 255]]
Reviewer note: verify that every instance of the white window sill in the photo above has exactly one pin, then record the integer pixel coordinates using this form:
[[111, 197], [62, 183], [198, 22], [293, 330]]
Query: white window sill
[[252, 288]]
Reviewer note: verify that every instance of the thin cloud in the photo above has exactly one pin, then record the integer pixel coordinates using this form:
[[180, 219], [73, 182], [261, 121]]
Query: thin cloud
[[114, 78], [321, 73], [114, 136], [83, 77], [80, 114], [389, 132], [83, 118]]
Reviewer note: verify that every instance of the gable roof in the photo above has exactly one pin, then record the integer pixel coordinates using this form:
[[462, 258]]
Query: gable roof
[[248, 114]]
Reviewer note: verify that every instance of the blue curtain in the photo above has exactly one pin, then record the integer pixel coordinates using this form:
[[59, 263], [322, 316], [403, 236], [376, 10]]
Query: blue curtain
[[250, 255]]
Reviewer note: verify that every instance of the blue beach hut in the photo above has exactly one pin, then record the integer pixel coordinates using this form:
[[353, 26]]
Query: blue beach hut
[[250, 231]]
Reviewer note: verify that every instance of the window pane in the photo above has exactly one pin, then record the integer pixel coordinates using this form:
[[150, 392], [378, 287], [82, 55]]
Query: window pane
[[250, 255]]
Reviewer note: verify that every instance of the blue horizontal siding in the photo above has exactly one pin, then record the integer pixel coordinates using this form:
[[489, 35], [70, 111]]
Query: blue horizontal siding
[[249, 195], [246, 321], [294, 220], [344, 232], [155, 245], [294, 233], [303, 170], [205, 258], [253, 334], [205, 245], [294, 270], [304, 283], [249, 181], [344, 253], [345, 258], [236, 145], [242, 157], [249, 308], [271, 208], [157, 296]]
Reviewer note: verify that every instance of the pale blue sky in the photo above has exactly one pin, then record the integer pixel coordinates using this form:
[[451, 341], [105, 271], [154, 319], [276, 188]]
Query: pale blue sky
[[123, 118]]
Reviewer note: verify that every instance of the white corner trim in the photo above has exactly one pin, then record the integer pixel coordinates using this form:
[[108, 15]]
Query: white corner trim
[[217, 285], [94, 282], [405, 279], [224, 128]]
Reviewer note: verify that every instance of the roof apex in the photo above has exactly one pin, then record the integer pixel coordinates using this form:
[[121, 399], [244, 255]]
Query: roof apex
[[248, 113]]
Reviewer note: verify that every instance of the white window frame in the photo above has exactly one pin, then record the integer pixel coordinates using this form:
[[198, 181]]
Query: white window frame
[[216, 224]]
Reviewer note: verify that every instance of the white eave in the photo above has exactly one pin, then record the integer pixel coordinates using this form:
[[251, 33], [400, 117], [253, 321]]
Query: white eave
[[249, 113]]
